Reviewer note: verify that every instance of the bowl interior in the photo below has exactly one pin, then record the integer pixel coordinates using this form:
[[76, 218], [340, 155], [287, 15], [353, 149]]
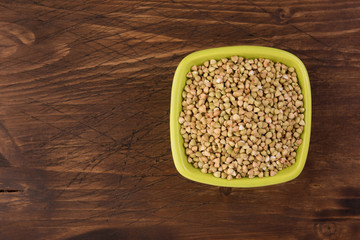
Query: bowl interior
[[197, 58]]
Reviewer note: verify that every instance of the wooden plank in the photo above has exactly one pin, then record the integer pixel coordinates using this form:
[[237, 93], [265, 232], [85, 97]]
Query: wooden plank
[[84, 120]]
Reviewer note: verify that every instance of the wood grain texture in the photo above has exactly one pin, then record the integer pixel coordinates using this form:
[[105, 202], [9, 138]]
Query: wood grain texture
[[84, 120]]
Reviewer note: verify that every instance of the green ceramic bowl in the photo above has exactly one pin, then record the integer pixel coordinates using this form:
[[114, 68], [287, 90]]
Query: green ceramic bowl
[[178, 150]]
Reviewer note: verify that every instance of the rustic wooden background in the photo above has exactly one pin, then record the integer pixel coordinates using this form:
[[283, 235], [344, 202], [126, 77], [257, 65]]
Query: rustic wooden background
[[84, 120]]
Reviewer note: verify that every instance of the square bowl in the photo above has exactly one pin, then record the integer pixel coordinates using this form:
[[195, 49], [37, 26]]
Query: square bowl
[[177, 147]]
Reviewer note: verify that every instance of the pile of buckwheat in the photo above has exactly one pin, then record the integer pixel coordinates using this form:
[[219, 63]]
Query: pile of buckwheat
[[241, 117]]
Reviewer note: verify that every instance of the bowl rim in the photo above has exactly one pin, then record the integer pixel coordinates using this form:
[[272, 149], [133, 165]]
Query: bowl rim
[[198, 57]]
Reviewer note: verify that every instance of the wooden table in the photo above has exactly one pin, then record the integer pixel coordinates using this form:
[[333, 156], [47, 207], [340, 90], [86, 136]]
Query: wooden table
[[84, 120]]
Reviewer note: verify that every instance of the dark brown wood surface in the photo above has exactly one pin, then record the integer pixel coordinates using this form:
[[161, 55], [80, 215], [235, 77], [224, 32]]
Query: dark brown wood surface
[[84, 120]]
